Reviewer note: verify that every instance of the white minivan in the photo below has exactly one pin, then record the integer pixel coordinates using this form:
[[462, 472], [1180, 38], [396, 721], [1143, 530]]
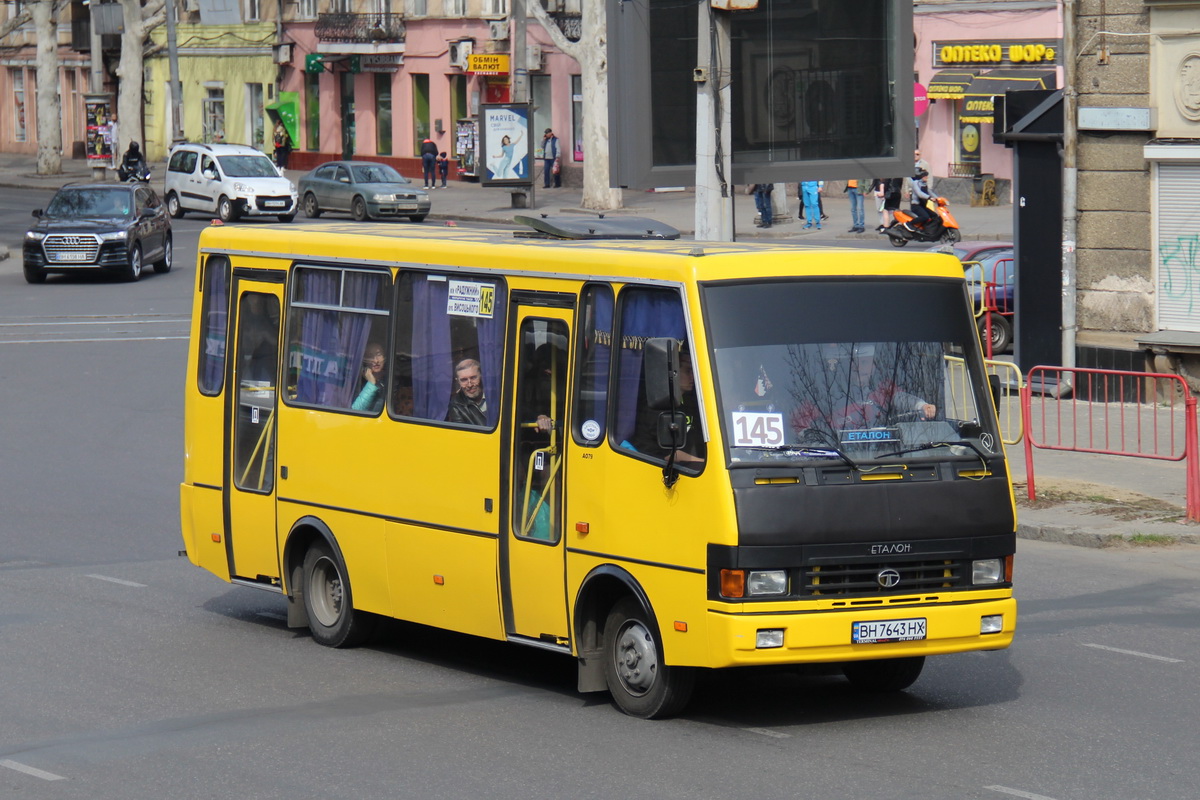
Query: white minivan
[[231, 179]]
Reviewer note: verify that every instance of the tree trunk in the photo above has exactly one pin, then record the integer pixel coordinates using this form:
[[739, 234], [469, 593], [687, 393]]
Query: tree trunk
[[49, 104], [592, 54], [131, 71]]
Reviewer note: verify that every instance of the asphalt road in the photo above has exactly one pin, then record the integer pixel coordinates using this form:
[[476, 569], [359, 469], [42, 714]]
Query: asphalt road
[[126, 673]]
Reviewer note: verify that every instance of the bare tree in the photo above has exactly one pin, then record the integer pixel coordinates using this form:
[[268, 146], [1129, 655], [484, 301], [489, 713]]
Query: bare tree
[[131, 69], [49, 103], [592, 54], [11, 25]]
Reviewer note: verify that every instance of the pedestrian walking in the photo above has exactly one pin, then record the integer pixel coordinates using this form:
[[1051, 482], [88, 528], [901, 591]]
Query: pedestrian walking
[[443, 167], [810, 196], [857, 225], [429, 153], [762, 201], [551, 163]]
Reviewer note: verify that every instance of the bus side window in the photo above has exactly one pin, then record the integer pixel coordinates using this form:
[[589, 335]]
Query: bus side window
[[214, 325], [645, 314], [594, 359], [337, 345], [450, 328]]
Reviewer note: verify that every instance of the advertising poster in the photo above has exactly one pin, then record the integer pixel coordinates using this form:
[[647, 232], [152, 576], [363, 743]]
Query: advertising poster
[[505, 148], [101, 128]]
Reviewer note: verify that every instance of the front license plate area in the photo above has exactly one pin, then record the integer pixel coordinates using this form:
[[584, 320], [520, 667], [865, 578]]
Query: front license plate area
[[888, 630], [71, 256]]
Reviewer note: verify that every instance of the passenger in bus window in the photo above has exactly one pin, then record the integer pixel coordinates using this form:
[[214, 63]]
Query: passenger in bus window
[[370, 396], [468, 406]]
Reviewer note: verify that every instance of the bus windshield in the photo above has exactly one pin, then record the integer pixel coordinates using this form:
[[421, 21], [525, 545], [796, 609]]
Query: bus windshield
[[848, 371]]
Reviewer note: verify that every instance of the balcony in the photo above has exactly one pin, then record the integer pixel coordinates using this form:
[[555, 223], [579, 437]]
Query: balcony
[[360, 28], [570, 24]]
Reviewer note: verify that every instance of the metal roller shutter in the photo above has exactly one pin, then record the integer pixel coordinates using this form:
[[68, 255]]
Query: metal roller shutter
[[1178, 256]]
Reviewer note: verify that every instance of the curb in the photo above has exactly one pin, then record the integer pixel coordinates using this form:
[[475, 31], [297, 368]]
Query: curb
[[1081, 538]]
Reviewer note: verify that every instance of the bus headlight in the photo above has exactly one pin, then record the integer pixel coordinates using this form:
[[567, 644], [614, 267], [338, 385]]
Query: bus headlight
[[987, 570], [766, 582], [768, 638]]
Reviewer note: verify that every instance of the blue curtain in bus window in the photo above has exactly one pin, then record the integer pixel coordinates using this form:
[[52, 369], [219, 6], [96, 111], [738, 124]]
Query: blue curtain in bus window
[[216, 308], [491, 354], [332, 343], [360, 290], [432, 370], [645, 314], [597, 356]]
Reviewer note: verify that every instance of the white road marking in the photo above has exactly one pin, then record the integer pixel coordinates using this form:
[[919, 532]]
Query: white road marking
[[118, 580], [769, 732], [110, 339], [99, 321], [1018, 793], [34, 771], [1134, 653]]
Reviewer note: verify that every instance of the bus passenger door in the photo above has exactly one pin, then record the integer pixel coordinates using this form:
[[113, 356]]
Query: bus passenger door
[[250, 432], [533, 569]]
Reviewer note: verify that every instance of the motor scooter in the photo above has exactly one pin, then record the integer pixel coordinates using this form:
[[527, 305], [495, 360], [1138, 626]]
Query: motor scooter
[[941, 228], [134, 176]]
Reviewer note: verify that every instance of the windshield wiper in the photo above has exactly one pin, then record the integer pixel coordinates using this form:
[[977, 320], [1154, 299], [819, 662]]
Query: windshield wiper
[[931, 445], [815, 452]]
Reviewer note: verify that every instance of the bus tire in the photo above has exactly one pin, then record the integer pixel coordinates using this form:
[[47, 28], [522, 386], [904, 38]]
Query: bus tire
[[332, 618], [884, 675], [640, 683]]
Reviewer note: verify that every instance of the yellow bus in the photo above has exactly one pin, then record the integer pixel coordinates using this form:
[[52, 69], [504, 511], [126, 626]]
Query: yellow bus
[[655, 457]]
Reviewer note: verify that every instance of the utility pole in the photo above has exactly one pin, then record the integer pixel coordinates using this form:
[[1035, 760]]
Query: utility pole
[[176, 87], [714, 194], [520, 79], [1070, 191], [97, 79]]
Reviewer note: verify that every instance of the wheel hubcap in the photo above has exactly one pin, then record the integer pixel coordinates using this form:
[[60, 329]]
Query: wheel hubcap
[[326, 592], [636, 658]]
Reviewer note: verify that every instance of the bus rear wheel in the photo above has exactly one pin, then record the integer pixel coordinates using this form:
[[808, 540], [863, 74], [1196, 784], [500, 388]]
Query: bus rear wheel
[[332, 618], [640, 683], [884, 675]]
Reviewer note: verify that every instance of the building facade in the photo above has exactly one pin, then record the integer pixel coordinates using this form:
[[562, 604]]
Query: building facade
[[966, 53], [350, 78], [1138, 249]]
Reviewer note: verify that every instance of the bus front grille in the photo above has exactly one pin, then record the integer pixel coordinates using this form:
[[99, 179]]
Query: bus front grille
[[883, 578]]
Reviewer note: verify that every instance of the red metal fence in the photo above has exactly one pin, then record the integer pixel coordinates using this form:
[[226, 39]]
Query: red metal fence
[[1112, 412]]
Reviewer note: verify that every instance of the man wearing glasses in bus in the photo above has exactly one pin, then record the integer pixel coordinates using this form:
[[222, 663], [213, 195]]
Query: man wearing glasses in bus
[[468, 406]]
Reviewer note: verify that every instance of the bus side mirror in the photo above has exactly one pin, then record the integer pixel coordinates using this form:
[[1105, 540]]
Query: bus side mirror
[[672, 430], [660, 366]]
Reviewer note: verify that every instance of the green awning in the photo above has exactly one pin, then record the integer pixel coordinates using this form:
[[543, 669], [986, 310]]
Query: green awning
[[287, 110]]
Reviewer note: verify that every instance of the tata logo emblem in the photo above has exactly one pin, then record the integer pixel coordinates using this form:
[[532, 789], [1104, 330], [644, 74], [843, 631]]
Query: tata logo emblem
[[888, 578]]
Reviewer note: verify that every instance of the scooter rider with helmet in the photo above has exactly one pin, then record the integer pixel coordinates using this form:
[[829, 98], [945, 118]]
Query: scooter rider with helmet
[[920, 197], [133, 164]]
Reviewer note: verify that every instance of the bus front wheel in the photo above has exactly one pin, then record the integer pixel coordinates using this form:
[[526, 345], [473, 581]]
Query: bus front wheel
[[332, 618], [884, 675], [640, 683]]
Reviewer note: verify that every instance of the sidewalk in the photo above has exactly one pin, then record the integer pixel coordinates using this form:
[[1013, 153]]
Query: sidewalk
[[467, 201], [1084, 499]]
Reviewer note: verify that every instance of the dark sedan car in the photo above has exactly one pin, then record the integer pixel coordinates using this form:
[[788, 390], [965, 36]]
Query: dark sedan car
[[109, 226], [990, 275], [365, 189]]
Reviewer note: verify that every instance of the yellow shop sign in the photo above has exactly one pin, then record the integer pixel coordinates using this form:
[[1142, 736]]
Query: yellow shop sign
[[995, 53]]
